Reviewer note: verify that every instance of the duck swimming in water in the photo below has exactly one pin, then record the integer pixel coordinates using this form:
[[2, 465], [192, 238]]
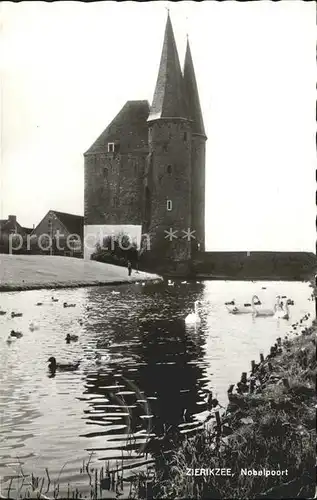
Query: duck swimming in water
[[68, 305], [16, 334], [66, 367], [2, 312], [70, 337], [54, 300], [101, 358], [231, 303], [16, 315]]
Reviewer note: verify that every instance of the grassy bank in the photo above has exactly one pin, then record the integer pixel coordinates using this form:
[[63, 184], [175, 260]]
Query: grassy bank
[[31, 272], [269, 424]]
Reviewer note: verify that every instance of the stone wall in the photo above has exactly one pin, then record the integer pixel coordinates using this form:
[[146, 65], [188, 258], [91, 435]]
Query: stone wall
[[114, 187]]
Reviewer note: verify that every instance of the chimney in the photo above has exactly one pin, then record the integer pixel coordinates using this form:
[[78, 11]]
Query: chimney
[[12, 218]]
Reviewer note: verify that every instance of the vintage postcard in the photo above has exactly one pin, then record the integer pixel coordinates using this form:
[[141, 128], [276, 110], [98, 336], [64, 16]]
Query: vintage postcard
[[158, 250]]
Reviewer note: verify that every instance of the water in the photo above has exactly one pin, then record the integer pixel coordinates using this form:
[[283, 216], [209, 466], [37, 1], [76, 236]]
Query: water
[[153, 369]]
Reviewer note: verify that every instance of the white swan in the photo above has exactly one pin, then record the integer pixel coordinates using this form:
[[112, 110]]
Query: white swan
[[261, 312], [282, 310], [193, 317]]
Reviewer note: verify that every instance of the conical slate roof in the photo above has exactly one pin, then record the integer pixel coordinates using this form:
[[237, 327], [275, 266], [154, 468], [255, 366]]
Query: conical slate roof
[[169, 99], [192, 96]]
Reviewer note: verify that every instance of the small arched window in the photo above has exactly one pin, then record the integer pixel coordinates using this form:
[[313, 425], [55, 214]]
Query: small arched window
[[169, 169], [169, 205]]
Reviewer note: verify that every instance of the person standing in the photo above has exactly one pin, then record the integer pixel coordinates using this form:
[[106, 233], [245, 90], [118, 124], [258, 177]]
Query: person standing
[[129, 267]]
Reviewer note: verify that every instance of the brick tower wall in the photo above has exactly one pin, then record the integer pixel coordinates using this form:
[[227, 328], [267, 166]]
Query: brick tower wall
[[114, 188], [169, 178]]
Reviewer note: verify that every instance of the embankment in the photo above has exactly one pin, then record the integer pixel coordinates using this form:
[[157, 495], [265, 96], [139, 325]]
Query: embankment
[[31, 272]]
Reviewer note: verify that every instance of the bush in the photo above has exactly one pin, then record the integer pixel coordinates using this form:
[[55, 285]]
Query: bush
[[117, 250]]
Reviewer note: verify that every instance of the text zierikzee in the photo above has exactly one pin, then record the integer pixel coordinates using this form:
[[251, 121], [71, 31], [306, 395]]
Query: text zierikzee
[[208, 472]]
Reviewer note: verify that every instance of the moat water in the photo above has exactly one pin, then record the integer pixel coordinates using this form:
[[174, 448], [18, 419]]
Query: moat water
[[154, 367]]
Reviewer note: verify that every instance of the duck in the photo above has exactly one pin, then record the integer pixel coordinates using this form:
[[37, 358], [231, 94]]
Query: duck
[[80, 321], [33, 326], [193, 317], [184, 282], [16, 334], [54, 299], [231, 303], [16, 315], [2, 312], [101, 359], [71, 337], [282, 310], [115, 292], [260, 312], [65, 304], [66, 367], [170, 283], [39, 303]]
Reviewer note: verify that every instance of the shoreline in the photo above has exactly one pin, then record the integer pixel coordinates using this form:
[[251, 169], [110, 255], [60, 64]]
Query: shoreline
[[56, 286]]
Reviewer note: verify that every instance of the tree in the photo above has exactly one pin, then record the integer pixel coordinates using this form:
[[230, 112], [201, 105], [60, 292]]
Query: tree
[[116, 249]]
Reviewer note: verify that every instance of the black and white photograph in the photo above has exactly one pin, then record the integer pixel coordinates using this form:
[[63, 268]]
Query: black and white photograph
[[158, 291]]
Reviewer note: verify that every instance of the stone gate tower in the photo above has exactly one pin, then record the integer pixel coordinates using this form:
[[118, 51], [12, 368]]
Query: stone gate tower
[[175, 172], [146, 171]]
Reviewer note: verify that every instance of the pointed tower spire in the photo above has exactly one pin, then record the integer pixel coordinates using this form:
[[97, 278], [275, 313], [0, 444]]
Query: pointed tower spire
[[191, 93], [169, 100]]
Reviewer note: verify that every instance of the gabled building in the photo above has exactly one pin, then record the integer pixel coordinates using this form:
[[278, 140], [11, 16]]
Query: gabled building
[[59, 233], [10, 226], [147, 169]]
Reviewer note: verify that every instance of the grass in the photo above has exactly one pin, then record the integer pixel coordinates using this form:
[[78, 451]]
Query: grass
[[27, 272]]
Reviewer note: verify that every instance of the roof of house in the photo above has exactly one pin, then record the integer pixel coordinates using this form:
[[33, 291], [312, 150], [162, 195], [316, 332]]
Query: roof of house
[[191, 94], [28, 230], [73, 223], [169, 98], [129, 127]]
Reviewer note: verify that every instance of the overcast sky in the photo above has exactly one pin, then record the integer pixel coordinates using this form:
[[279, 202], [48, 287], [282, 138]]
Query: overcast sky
[[68, 68]]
